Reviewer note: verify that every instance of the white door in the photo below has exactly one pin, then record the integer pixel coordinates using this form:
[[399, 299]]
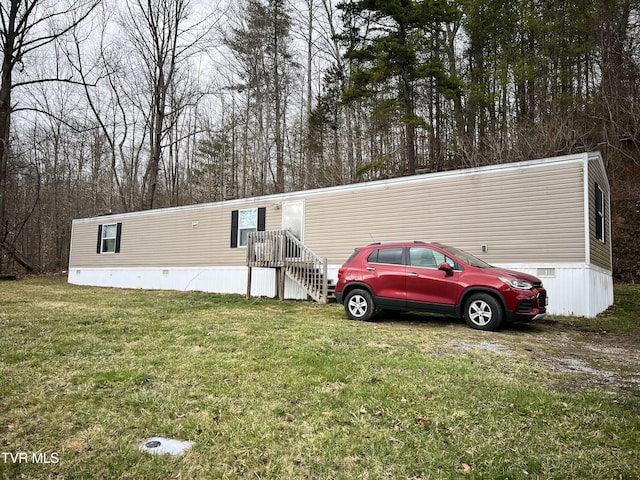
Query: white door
[[293, 219]]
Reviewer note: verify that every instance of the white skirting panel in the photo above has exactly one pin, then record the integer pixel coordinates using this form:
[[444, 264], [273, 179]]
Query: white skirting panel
[[601, 291], [573, 290], [211, 279]]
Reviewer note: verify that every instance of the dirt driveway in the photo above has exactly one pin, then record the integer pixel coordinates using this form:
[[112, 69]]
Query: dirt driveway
[[609, 362]]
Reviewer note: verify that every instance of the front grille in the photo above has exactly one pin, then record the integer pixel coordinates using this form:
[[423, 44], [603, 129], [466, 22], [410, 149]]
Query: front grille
[[542, 299]]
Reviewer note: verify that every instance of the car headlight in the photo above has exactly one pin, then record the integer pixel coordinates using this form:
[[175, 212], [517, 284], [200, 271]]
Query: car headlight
[[515, 283]]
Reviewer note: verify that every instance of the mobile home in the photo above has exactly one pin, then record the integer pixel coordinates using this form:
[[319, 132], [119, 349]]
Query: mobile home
[[548, 217]]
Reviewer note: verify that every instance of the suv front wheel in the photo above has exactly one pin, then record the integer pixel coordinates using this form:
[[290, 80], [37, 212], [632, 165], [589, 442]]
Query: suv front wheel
[[359, 305], [483, 312]]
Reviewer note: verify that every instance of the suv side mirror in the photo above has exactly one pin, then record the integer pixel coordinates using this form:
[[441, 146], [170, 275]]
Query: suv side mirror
[[446, 268]]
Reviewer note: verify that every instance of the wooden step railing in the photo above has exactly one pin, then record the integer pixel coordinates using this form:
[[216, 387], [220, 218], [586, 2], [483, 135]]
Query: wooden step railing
[[281, 250]]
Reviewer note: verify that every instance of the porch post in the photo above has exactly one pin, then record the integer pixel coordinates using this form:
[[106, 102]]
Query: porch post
[[249, 282], [280, 279], [325, 281]]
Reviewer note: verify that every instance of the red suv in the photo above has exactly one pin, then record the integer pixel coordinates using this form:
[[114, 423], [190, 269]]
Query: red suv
[[430, 277]]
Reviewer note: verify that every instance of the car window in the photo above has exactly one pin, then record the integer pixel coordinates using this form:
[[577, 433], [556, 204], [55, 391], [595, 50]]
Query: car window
[[466, 257], [441, 258], [387, 255], [427, 257], [355, 252]]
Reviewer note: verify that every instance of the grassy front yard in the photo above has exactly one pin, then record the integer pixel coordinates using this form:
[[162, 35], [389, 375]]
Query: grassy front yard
[[269, 389]]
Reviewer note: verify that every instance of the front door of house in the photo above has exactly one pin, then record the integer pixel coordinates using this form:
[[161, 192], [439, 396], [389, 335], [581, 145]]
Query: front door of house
[[293, 220]]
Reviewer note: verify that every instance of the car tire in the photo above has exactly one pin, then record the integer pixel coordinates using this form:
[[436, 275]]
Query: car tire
[[359, 305], [483, 312]]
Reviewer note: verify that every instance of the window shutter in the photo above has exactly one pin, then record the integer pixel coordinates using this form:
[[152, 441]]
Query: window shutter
[[234, 229], [118, 235], [599, 212], [99, 247], [262, 214]]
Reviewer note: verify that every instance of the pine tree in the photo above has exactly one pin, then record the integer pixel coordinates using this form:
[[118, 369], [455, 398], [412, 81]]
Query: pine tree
[[388, 44], [264, 61]]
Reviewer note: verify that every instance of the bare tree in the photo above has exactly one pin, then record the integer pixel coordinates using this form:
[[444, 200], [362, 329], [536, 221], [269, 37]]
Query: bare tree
[[145, 88], [162, 37], [25, 27], [264, 66]]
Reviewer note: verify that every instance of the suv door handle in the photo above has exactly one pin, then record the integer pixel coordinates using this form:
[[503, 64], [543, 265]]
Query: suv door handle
[[371, 269], [413, 274]]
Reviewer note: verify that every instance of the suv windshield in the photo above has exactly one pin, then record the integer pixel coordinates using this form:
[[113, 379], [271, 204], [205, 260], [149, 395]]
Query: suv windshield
[[466, 257]]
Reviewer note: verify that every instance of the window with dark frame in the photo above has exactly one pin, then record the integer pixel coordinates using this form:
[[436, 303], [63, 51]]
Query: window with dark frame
[[245, 221], [109, 236], [599, 212]]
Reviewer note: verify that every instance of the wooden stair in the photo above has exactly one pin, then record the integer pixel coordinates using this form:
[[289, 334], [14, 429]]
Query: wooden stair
[[281, 250], [310, 278]]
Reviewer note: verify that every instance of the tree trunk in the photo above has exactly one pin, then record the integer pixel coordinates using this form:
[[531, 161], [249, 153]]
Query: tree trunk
[[5, 120], [278, 101]]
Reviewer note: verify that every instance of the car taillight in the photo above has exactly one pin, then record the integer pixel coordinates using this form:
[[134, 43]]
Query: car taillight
[[340, 272]]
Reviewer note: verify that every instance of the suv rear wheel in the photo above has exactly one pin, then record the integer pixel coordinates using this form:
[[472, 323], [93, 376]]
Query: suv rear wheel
[[483, 312], [359, 305]]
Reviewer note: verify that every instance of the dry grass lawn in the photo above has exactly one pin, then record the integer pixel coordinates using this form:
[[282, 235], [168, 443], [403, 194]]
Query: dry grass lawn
[[269, 389]]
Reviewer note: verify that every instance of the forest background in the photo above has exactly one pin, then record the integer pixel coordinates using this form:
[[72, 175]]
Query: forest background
[[112, 106]]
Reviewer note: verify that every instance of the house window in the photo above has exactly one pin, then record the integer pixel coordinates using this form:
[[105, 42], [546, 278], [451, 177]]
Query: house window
[[600, 216], [243, 222], [247, 223], [109, 238]]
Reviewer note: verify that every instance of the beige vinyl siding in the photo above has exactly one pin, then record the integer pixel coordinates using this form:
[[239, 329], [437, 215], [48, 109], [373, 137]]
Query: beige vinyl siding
[[524, 215], [600, 252], [531, 213], [167, 237]]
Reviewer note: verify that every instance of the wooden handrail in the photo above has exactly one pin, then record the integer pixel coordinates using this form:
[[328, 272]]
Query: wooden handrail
[[266, 249], [280, 249]]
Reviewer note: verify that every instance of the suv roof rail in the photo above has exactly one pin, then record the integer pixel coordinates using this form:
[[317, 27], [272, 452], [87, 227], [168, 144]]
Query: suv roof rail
[[398, 241]]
